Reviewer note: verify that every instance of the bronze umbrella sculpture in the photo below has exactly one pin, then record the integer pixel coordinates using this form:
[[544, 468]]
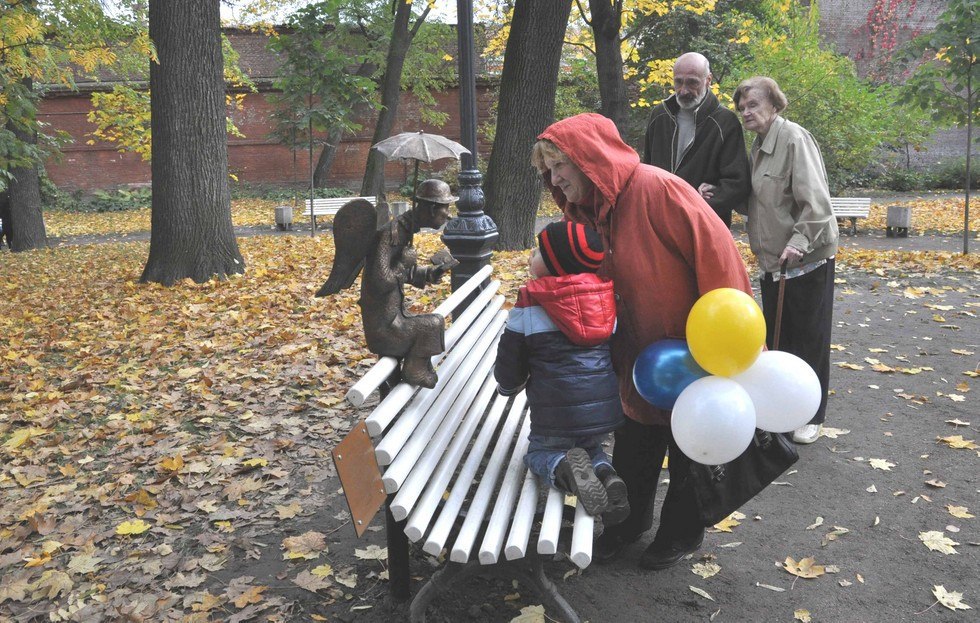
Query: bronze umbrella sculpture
[[420, 147]]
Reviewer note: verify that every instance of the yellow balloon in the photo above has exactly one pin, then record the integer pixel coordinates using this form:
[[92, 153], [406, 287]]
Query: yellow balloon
[[725, 331]]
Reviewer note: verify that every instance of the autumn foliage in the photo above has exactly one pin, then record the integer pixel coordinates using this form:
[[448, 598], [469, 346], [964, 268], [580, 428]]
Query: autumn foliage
[[137, 421]]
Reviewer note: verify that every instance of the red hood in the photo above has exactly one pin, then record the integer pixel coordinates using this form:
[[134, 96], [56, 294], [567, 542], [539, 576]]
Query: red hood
[[582, 305], [593, 144]]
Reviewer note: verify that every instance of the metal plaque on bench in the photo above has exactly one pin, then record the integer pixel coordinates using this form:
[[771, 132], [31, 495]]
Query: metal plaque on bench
[[360, 476]]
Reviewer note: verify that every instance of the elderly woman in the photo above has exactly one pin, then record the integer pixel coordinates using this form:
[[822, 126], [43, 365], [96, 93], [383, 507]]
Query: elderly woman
[[791, 225], [665, 247]]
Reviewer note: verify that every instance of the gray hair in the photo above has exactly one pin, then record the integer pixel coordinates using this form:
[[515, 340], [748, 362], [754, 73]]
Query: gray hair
[[767, 86]]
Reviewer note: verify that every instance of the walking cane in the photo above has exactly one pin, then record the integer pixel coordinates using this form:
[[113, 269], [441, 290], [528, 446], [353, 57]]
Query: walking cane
[[779, 305]]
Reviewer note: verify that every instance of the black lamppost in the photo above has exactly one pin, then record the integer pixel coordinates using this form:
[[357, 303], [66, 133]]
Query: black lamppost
[[471, 235]]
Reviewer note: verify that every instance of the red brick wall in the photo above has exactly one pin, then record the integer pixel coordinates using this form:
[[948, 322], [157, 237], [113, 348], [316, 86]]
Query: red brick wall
[[256, 158]]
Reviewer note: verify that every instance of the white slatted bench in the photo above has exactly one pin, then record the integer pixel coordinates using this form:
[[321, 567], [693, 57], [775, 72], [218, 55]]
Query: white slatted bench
[[852, 208], [452, 463], [328, 206]]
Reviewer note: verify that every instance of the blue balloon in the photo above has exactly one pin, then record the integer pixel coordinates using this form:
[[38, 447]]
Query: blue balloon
[[662, 371]]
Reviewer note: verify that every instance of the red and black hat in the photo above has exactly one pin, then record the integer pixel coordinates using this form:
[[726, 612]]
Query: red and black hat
[[569, 248]]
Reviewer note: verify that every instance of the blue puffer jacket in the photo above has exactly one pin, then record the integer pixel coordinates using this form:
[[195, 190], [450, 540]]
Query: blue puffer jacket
[[556, 343]]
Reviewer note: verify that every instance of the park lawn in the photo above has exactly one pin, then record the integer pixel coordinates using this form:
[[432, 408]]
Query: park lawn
[[244, 213], [943, 216]]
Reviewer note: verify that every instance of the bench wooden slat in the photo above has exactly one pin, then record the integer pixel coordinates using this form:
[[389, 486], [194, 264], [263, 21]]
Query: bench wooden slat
[[328, 206], [377, 374], [582, 536], [551, 523], [852, 208], [520, 527], [481, 499], [459, 423], [850, 201], [400, 431], [456, 299], [438, 463], [453, 456], [419, 521], [503, 509], [443, 415]]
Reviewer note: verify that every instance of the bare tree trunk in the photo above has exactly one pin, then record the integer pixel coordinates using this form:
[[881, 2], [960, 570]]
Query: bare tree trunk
[[327, 155], [191, 233], [25, 218], [401, 39], [526, 107], [969, 174], [607, 21]]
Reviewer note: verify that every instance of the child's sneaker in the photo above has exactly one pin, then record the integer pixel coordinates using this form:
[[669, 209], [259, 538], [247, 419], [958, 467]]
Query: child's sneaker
[[574, 475], [619, 505]]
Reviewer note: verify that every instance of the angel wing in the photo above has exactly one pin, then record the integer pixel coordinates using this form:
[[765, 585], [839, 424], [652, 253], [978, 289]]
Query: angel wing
[[354, 235]]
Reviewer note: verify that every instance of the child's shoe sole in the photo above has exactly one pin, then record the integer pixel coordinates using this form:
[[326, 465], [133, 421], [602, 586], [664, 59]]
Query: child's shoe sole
[[588, 488]]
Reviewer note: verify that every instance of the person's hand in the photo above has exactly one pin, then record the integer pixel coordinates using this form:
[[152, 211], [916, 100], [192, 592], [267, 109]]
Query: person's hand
[[707, 190], [790, 254]]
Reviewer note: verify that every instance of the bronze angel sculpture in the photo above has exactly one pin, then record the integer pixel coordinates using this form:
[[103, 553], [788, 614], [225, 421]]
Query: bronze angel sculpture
[[389, 260]]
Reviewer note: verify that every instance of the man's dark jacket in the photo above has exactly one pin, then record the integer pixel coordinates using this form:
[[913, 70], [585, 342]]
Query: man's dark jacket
[[717, 155]]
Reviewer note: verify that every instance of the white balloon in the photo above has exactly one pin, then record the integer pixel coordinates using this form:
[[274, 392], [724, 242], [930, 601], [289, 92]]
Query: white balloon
[[713, 420], [784, 389]]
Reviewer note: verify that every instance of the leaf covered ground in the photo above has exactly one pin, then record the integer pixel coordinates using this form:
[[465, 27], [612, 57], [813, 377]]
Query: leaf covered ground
[[166, 451]]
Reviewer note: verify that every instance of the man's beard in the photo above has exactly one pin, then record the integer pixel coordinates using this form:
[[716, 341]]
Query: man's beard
[[691, 104]]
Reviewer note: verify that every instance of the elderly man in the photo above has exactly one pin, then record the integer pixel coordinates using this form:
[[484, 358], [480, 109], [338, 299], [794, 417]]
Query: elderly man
[[691, 135]]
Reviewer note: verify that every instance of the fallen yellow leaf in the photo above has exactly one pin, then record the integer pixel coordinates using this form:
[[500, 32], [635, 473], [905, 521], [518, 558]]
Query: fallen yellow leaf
[[134, 526], [805, 568]]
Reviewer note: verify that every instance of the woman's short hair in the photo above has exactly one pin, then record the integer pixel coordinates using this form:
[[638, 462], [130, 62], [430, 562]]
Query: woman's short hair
[[767, 86], [546, 149]]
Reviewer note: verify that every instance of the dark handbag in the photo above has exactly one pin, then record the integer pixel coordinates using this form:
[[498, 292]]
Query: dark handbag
[[722, 489]]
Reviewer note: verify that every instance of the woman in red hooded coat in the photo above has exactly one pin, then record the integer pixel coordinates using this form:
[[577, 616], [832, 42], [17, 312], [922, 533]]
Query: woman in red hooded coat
[[665, 248]]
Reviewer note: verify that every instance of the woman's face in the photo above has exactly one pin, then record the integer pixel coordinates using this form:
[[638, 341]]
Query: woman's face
[[570, 179], [757, 111]]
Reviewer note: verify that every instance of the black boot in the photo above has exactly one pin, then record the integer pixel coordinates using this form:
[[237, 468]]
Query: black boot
[[575, 476], [666, 554], [619, 504]]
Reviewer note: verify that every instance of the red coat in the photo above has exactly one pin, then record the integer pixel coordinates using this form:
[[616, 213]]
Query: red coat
[[664, 246]]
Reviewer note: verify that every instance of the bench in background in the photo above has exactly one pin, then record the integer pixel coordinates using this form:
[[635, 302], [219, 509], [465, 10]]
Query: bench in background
[[453, 470], [328, 206], [852, 208]]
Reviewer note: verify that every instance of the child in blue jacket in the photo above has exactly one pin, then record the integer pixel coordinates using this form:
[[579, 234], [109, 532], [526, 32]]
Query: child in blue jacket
[[556, 344]]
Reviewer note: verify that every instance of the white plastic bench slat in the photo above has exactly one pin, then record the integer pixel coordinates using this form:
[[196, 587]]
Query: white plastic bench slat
[[400, 438], [380, 371], [420, 404], [386, 411], [427, 473], [425, 439], [419, 520], [456, 299], [551, 523], [325, 206], [582, 535], [858, 207], [520, 527], [481, 499], [441, 469], [493, 538]]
